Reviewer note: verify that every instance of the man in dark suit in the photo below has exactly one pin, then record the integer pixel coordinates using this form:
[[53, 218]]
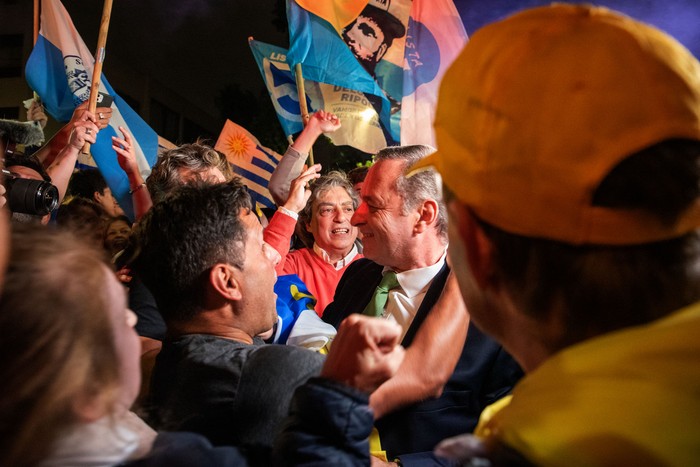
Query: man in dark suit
[[406, 279]]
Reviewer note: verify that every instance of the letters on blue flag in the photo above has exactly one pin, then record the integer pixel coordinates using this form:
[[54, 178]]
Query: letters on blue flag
[[360, 122], [59, 70], [251, 161], [393, 51], [326, 58]]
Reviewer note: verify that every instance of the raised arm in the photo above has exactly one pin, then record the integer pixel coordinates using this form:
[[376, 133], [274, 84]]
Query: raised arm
[[82, 131], [126, 158], [436, 346], [292, 163], [48, 152]]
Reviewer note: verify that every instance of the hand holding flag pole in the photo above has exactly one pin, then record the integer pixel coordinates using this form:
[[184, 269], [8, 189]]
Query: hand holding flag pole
[[99, 60]]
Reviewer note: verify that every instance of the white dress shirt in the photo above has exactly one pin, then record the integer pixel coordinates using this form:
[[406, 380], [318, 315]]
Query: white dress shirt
[[403, 302]]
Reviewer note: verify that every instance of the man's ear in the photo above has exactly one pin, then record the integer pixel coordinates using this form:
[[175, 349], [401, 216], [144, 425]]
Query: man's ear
[[224, 279], [97, 196], [479, 249], [428, 212]]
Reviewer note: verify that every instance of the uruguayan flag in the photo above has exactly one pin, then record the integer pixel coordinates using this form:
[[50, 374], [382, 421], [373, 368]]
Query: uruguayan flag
[[59, 70], [253, 162]]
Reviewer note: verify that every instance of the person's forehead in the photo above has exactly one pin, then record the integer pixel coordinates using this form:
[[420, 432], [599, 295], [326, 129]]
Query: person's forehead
[[334, 195], [116, 225], [25, 172], [382, 176], [251, 222]]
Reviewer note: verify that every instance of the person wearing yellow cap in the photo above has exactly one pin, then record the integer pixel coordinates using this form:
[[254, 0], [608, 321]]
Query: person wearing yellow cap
[[569, 145]]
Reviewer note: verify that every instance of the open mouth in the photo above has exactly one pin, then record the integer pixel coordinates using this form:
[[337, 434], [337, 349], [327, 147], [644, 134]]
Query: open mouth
[[340, 231]]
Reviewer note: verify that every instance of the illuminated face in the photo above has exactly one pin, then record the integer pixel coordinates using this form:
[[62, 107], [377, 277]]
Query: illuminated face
[[257, 278], [117, 236], [386, 230], [109, 203], [330, 222], [366, 40]]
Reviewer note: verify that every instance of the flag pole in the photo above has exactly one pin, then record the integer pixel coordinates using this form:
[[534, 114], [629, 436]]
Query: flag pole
[[302, 104], [37, 11], [99, 60], [37, 6]]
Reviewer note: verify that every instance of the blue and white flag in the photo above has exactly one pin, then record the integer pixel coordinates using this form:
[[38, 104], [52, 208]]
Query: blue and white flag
[[326, 58], [59, 70], [251, 161], [360, 122], [394, 51]]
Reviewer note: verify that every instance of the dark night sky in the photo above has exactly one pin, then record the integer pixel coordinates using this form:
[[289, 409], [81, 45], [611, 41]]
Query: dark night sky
[[199, 46]]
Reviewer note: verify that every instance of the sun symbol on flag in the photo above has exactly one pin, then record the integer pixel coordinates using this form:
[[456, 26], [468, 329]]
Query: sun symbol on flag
[[239, 146]]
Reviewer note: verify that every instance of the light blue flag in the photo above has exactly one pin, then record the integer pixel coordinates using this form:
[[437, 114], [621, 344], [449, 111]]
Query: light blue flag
[[280, 84], [360, 122], [326, 58], [59, 70]]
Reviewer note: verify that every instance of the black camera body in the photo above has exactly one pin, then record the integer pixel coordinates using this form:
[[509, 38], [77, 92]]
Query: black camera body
[[36, 197]]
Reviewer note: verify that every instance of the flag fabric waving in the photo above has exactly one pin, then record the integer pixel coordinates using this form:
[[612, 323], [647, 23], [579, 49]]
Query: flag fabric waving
[[360, 129], [326, 58], [59, 70], [395, 52], [251, 161], [435, 37]]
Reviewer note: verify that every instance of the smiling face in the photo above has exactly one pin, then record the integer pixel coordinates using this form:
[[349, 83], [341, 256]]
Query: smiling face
[[330, 222], [257, 279], [117, 236], [386, 231]]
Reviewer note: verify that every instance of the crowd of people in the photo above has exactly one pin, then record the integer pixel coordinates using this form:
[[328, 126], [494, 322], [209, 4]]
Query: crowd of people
[[529, 294]]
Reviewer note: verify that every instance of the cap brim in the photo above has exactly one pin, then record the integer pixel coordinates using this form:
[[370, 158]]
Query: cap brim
[[429, 162]]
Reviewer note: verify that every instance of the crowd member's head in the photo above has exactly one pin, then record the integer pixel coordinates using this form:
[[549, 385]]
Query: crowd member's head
[[72, 356], [186, 164], [202, 256], [357, 178], [327, 214], [84, 217], [90, 184], [402, 219], [604, 199], [116, 234], [569, 141], [371, 34], [27, 167]]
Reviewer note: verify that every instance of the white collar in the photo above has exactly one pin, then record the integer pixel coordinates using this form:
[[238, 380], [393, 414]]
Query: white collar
[[340, 264], [415, 281], [108, 441]]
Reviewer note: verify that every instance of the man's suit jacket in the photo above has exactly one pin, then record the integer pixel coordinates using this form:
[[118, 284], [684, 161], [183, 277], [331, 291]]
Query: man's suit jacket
[[484, 373]]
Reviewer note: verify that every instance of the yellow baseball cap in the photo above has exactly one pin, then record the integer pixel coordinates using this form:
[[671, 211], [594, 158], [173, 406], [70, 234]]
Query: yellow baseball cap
[[539, 107]]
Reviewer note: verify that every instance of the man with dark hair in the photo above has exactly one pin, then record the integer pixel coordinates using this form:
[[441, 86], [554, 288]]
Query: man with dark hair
[[573, 161], [203, 257], [404, 226], [90, 184]]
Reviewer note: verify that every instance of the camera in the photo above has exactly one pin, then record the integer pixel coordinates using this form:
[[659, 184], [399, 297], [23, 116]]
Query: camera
[[36, 197]]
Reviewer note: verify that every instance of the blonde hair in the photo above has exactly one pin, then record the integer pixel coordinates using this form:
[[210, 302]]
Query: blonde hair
[[58, 343]]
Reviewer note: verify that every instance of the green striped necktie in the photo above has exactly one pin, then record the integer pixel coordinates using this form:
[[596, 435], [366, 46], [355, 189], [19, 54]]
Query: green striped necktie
[[376, 305]]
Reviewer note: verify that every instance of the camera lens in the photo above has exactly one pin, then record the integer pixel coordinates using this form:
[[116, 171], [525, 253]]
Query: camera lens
[[35, 197]]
